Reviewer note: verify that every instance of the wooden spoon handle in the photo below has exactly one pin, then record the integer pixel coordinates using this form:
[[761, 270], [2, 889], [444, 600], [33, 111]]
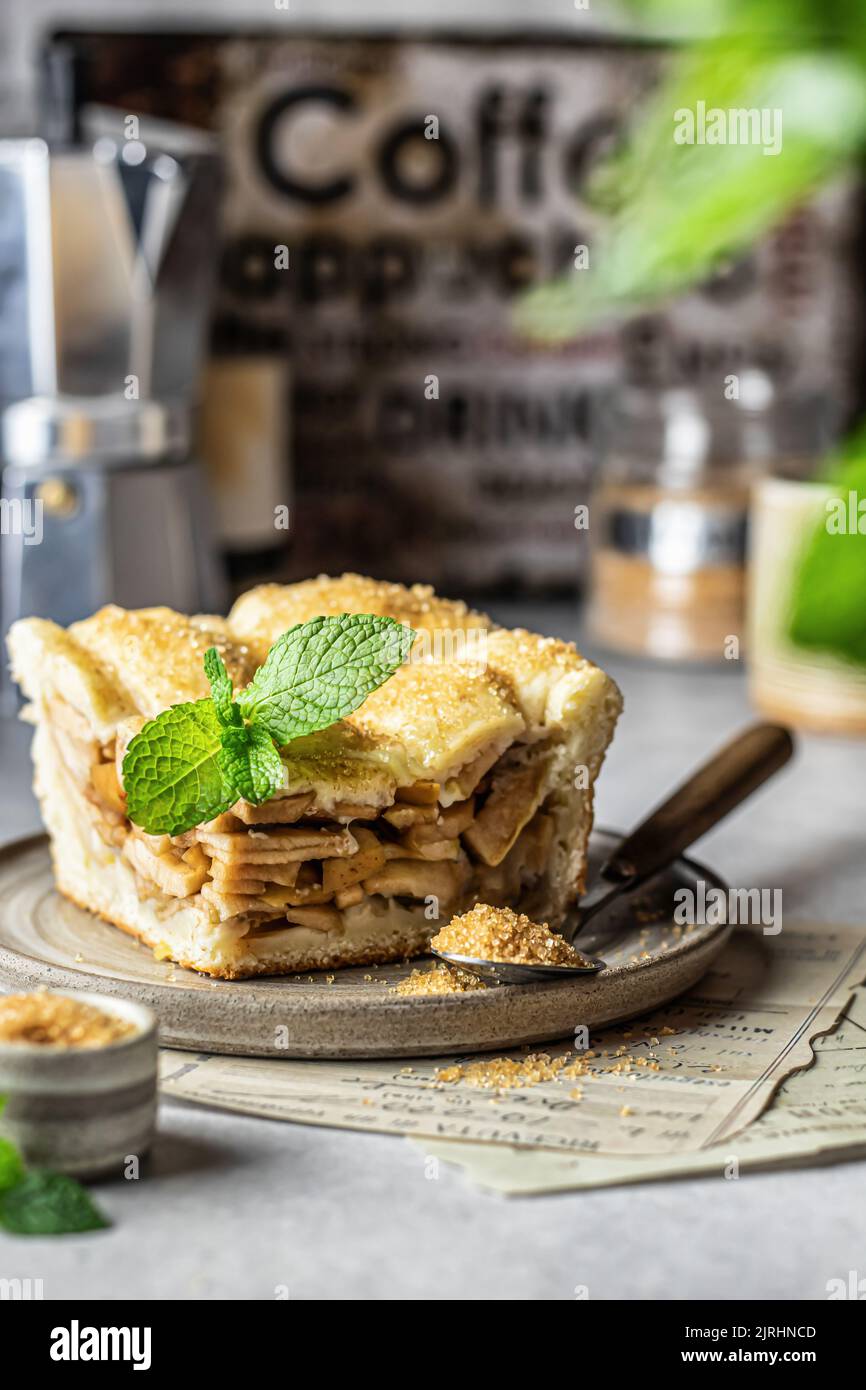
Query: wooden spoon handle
[[707, 797]]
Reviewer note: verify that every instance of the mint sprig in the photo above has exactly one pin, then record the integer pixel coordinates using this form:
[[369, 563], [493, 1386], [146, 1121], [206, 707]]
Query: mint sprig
[[318, 672], [48, 1204], [41, 1203], [11, 1167], [196, 760], [220, 681], [172, 770], [248, 762]]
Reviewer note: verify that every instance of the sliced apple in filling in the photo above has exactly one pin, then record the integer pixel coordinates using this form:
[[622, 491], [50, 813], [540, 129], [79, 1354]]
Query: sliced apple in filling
[[103, 777], [340, 874], [254, 846], [420, 793], [412, 878], [513, 801], [167, 870], [318, 918], [281, 811]]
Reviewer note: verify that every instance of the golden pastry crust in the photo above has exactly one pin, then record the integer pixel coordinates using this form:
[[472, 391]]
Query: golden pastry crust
[[549, 678], [46, 659], [437, 716], [155, 656], [123, 662], [428, 720], [260, 615]]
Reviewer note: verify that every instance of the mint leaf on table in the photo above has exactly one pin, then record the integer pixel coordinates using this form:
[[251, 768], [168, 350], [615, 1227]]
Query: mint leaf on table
[[322, 670], [11, 1166], [48, 1204], [171, 771], [41, 1203]]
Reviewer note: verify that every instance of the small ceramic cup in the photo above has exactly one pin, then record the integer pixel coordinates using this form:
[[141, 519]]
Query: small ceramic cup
[[86, 1111]]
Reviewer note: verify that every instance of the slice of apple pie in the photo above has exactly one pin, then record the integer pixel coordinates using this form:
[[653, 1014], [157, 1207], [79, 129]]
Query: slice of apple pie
[[466, 776]]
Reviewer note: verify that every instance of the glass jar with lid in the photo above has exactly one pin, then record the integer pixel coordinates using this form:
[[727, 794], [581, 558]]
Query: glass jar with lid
[[668, 515]]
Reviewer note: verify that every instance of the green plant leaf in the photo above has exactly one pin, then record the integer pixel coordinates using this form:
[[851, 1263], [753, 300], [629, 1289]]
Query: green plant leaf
[[48, 1204], [171, 771], [684, 211], [828, 601], [227, 711], [11, 1165], [319, 671], [250, 764], [782, 17]]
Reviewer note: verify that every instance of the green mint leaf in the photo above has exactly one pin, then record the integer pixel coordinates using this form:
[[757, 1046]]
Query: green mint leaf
[[318, 672], [11, 1166], [171, 771], [196, 760], [227, 711], [250, 764], [268, 773], [827, 610], [48, 1204]]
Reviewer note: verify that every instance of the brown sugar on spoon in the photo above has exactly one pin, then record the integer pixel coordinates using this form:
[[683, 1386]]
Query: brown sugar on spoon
[[499, 934]]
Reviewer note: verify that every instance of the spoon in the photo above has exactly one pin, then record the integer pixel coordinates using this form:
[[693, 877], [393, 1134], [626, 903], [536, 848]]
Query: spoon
[[695, 807]]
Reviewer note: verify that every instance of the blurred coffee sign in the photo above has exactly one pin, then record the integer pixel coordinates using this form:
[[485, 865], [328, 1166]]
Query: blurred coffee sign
[[386, 199]]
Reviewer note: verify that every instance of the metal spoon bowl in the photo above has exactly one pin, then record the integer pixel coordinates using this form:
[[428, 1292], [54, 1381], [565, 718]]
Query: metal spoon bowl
[[715, 789], [500, 972]]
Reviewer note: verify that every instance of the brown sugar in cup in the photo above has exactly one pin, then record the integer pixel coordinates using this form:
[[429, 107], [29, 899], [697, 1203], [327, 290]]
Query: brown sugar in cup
[[59, 1020]]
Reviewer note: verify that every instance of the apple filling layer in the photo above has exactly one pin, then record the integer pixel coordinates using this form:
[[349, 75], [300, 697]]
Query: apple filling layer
[[293, 862]]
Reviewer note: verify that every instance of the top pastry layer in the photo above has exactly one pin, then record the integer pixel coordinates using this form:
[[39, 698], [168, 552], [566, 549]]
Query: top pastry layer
[[468, 686], [262, 614]]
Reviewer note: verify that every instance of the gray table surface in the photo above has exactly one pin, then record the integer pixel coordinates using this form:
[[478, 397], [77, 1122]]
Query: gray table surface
[[233, 1207]]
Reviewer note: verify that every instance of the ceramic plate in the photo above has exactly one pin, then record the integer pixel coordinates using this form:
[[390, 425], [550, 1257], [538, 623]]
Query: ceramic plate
[[47, 941]]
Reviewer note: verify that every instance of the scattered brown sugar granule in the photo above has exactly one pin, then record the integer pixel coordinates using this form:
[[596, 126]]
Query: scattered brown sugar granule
[[442, 979], [505, 1074], [56, 1021], [497, 933]]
